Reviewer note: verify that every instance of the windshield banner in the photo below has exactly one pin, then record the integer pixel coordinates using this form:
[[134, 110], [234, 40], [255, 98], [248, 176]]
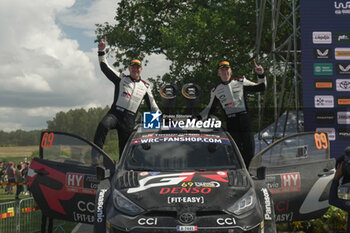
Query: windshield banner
[[182, 138]]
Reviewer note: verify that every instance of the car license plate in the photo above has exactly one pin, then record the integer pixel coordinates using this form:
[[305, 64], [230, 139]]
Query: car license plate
[[186, 228]]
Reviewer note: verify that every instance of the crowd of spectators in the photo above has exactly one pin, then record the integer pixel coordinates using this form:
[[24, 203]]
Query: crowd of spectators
[[14, 178]]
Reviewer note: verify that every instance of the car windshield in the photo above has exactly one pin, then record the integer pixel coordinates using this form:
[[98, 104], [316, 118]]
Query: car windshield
[[181, 153]]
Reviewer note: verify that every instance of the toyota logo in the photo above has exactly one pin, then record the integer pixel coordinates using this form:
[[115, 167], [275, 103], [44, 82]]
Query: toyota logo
[[345, 84], [186, 217]]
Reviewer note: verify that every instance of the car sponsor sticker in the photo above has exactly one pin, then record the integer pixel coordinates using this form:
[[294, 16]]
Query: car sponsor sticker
[[343, 84], [180, 190], [175, 200], [268, 209], [226, 221], [324, 101], [343, 118], [80, 183], [148, 221], [87, 210], [322, 37], [329, 131], [287, 217], [186, 228], [185, 138], [284, 183], [282, 206], [173, 179], [342, 53]]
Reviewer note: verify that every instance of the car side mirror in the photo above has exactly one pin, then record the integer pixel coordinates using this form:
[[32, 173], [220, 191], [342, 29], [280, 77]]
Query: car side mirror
[[102, 173], [261, 173]]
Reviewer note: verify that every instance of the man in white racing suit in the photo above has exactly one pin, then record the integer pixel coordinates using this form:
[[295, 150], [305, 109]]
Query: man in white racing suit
[[230, 95], [129, 91]]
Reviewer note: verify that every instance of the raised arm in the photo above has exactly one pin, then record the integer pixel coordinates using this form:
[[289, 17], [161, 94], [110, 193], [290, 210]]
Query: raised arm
[[260, 85], [110, 73]]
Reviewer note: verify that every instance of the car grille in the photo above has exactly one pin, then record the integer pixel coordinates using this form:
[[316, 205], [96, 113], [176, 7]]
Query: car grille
[[129, 180], [237, 179]]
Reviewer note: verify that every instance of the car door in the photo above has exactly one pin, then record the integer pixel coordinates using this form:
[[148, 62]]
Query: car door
[[63, 179], [298, 174]]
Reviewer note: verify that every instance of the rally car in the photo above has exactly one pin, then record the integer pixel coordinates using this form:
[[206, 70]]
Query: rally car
[[182, 180]]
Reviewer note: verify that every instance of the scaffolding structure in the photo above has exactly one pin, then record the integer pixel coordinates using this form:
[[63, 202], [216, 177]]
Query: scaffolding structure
[[279, 19]]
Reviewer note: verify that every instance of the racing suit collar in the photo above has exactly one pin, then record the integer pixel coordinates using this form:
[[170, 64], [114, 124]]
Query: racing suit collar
[[134, 80], [226, 82]]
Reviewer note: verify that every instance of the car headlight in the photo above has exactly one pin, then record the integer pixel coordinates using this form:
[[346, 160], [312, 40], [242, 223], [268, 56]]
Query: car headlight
[[244, 204], [124, 205]]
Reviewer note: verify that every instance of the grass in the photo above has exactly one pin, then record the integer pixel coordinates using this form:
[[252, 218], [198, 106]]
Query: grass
[[29, 222], [9, 152]]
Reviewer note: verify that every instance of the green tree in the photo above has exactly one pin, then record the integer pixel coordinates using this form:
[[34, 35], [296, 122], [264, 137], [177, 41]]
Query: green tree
[[195, 35], [78, 121]]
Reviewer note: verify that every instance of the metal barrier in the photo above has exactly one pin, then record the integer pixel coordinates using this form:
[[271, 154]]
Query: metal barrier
[[23, 216], [8, 217]]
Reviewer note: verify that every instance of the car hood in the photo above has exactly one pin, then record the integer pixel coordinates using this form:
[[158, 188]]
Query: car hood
[[214, 190]]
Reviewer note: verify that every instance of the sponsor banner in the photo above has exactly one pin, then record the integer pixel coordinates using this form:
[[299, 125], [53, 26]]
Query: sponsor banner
[[323, 69], [323, 84], [343, 101], [344, 134], [325, 38], [200, 139], [342, 8], [330, 131], [342, 37], [324, 101], [323, 53], [322, 37], [284, 183], [342, 53], [343, 68], [343, 118], [343, 84], [325, 117]]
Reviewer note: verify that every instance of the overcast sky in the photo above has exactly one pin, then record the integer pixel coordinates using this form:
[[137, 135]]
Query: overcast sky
[[48, 60]]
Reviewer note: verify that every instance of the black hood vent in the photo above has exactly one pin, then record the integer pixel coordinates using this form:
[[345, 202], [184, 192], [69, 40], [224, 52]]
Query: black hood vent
[[129, 180], [237, 179]]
